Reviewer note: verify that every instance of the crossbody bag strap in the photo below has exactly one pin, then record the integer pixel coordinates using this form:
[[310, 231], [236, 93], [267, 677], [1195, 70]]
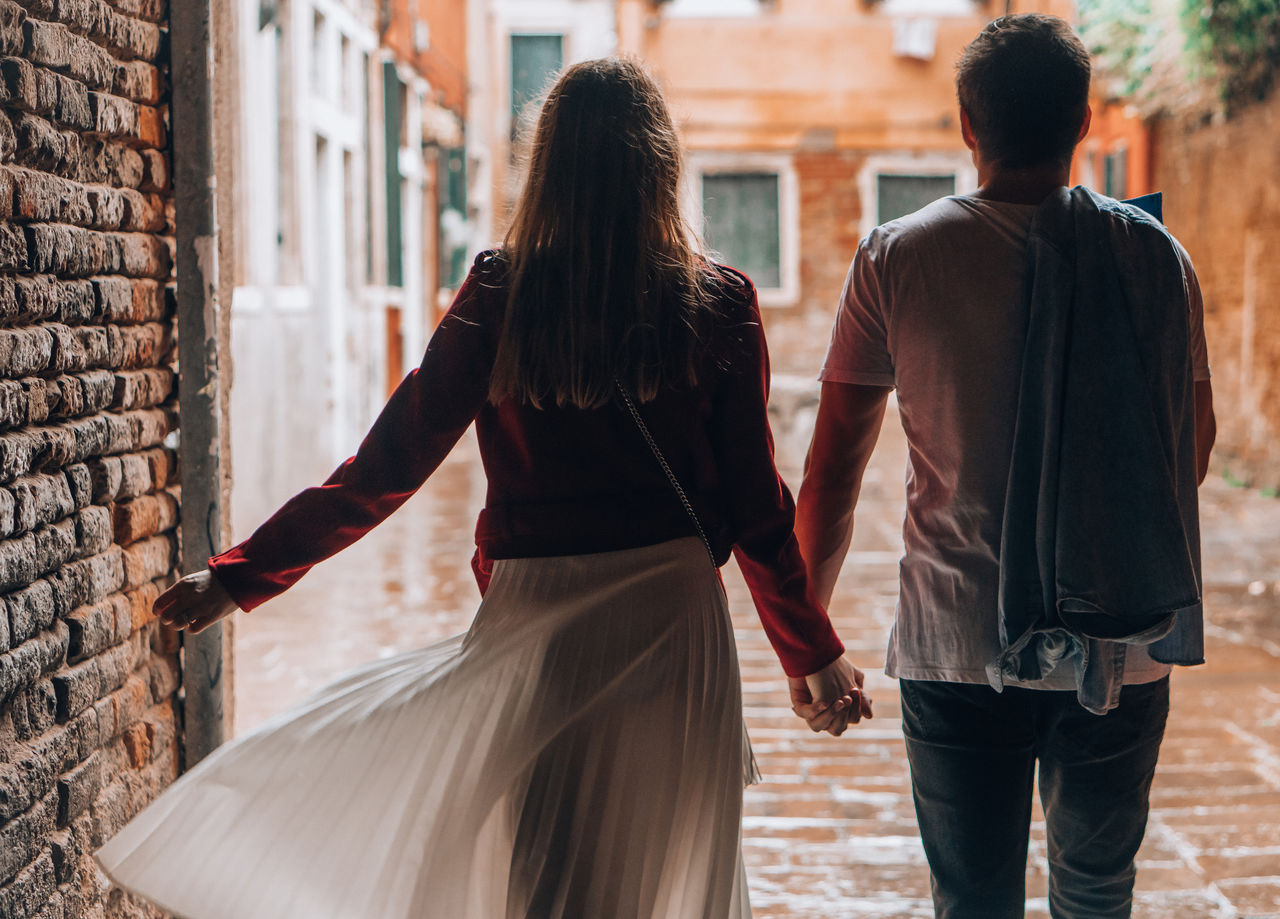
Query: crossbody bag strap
[[666, 467]]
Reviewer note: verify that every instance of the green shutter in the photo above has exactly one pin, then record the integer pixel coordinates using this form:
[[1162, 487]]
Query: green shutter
[[899, 195], [392, 110], [453, 198], [742, 223], [534, 59]]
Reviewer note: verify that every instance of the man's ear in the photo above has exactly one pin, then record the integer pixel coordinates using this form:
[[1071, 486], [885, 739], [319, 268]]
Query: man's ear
[[1084, 125], [966, 130]]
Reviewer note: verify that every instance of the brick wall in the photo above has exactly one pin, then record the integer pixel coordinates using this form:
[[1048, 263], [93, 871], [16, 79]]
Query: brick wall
[[88, 498], [1221, 184]]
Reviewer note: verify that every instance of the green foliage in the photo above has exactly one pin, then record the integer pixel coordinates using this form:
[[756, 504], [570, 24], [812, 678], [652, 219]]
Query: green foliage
[[1162, 55], [1238, 41]]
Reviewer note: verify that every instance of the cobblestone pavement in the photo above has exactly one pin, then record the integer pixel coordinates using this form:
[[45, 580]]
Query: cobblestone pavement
[[831, 832]]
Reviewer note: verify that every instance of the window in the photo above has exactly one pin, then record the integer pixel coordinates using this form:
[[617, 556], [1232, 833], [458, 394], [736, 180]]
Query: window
[[534, 59], [742, 222], [899, 195], [453, 216], [1115, 179], [393, 102]]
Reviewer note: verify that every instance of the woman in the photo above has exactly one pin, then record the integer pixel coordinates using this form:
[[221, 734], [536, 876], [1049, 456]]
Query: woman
[[580, 752]]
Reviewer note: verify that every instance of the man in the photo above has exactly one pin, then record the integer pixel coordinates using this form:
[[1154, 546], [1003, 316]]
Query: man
[[997, 654]]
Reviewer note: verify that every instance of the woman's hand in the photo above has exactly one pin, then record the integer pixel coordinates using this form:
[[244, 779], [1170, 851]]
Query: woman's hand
[[832, 698], [195, 602]]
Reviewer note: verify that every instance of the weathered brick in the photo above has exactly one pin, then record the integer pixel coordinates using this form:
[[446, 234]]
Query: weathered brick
[[129, 38], [96, 627], [139, 81], [76, 301], [41, 499], [13, 248], [35, 709], [18, 451], [73, 103], [40, 145], [155, 175], [5, 638], [144, 345], [147, 560], [77, 688], [30, 610], [55, 907], [93, 533], [22, 782], [142, 603], [37, 298], [87, 580], [165, 676], [22, 839], [106, 475], [111, 163], [8, 295], [8, 139], [150, 10], [144, 212], [25, 352], [27, 662], [66, 848], [28, 893], [17, 562], [143, 388], [54, 45], [13, 405], [19, 84], [78, 788], [12, 19], [6, 194], [77, 476], [41, 196]]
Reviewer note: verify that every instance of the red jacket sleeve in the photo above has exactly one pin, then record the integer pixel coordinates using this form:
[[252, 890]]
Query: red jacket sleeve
[[425, 417], [760, 506]]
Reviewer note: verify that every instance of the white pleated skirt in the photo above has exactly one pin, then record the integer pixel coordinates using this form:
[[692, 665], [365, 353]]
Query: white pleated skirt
[[578, 754]]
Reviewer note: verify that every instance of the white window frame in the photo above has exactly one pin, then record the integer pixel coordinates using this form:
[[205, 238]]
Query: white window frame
[[958, 165], [929, 7], [711, 9], [702, 163]]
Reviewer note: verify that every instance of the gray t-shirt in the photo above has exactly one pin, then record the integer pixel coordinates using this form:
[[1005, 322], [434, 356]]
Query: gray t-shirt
[[934, 306]]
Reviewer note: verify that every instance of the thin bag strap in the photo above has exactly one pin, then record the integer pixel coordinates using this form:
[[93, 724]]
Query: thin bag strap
[[671, 476]]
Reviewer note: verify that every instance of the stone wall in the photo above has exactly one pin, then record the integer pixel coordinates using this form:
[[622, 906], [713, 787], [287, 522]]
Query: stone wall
[[88, 498], [1222, 200]]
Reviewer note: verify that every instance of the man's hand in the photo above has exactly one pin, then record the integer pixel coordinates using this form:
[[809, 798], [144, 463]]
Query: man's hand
[[831, 699], [195, 602]]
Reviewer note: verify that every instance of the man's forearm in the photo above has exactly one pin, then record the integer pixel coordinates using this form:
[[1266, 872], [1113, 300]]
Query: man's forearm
[[848, 424]]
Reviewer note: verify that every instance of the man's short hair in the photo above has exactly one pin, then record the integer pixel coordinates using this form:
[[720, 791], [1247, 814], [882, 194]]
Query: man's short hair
[[1024, 82]]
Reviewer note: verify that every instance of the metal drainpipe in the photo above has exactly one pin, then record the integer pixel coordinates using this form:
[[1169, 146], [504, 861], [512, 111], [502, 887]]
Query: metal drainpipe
[[199, 396]]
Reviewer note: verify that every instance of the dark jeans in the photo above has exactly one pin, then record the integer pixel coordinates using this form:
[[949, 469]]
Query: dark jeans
[[973, 753]]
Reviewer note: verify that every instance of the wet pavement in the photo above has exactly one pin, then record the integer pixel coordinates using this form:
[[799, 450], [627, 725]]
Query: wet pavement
[[831, 832]]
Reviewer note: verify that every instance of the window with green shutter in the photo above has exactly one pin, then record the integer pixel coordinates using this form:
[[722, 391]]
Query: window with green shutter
[[393, 93], [741, 223], [534, 58], [899, 195]]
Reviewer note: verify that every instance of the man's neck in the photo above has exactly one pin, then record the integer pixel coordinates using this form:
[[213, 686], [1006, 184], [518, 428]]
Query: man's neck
[[1021, 186]]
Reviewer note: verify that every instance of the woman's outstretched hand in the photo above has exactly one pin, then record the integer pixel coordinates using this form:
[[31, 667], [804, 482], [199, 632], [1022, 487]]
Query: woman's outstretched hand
[[195, 602], [831, 699]]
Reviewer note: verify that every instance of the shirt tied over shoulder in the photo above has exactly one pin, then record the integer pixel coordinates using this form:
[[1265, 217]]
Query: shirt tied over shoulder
[[1100, 545]]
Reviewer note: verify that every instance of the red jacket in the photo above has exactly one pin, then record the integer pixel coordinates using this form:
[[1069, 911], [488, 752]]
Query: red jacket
[[567, 481]]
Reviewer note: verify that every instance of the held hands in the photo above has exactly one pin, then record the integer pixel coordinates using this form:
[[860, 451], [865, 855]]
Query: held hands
[[831, 699], [195, 602]]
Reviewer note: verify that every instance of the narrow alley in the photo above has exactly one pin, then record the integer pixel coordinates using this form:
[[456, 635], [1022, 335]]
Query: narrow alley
[[830, 832]]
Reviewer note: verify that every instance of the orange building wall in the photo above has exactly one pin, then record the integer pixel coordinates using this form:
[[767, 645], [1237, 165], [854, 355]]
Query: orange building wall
[[443, 62], [818, 81]]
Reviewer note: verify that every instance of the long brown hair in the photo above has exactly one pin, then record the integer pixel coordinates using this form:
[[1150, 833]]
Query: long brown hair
[[604, 282]]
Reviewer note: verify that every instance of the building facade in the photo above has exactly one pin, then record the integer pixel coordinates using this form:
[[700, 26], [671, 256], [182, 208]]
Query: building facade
[[351, 224]]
